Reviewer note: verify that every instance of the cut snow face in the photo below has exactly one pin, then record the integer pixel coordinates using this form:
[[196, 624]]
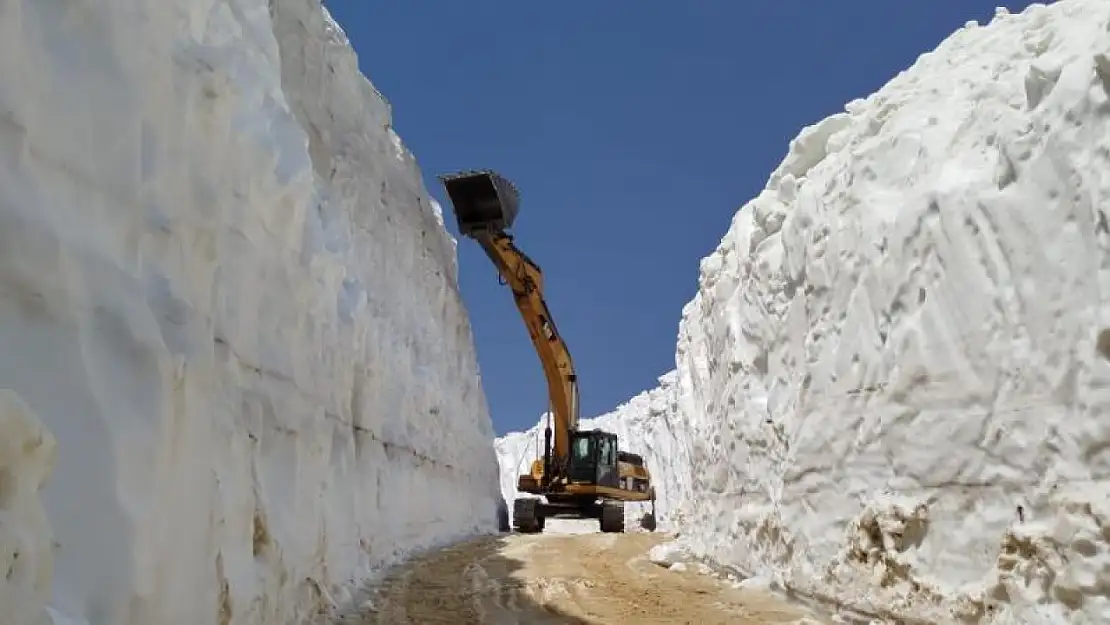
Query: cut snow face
[[889, 390], [227, 296]]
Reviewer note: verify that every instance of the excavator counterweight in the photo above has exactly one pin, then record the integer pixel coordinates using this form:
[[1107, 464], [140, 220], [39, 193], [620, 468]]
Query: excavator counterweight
[[581, 473]]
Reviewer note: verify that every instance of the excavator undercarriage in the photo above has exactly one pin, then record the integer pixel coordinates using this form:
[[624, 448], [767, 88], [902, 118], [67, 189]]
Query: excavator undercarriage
[[582, 473]]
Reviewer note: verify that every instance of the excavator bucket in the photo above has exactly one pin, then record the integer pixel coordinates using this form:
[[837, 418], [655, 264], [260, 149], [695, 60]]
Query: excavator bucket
[[484, 201]]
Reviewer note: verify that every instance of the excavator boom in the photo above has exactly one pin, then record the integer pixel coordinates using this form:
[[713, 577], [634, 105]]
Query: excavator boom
[[579, 468], [526, 281], [485, 206]]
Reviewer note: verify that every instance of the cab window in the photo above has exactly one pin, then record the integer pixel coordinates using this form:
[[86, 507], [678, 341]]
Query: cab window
[[582, 449], [606, 455]]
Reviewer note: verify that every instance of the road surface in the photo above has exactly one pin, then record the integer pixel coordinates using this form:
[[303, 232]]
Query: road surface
[[595, 579]]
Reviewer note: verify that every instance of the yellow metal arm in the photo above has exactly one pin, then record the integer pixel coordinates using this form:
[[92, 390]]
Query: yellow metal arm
[[526, 281]]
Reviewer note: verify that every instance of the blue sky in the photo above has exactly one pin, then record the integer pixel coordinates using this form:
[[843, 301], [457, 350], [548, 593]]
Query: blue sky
[[634, 131]]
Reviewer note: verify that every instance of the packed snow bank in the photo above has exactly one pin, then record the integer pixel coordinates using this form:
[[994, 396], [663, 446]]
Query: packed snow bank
[[892, 368], [891, 384], [27, 455], [226, 293]]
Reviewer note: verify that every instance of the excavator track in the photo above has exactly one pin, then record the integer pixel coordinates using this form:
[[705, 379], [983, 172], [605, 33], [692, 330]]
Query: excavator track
[[612, 517], [528, 516]]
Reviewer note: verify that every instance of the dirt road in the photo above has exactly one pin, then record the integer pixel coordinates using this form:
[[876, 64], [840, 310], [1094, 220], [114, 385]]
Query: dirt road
[[595, 579]]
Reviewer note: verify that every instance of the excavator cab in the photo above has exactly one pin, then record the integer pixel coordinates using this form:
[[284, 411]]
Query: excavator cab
[[593, 459], [484, 201]]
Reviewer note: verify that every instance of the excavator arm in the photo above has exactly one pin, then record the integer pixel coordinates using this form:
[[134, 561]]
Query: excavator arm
[[526, 281], [486, 205], [595, 478]]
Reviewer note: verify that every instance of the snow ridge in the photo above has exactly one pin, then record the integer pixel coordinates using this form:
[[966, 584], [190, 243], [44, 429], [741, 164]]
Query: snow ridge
[[226, 295], [890, 387]]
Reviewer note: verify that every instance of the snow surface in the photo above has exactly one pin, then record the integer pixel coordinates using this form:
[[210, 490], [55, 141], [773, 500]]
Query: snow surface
[[27, 455], [226, 294], [891, 388]]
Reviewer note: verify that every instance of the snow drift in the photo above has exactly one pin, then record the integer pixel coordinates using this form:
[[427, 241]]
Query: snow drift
[[227, 296], [891, 390]]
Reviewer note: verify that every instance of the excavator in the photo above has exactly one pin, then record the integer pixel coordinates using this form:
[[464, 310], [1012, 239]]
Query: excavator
[[582, 473]]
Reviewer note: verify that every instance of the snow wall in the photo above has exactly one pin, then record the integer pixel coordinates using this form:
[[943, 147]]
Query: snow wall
[[229, 321], [892, 389]]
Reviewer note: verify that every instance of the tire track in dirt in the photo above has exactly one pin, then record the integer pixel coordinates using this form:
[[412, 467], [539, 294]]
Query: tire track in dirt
[[583, 579]]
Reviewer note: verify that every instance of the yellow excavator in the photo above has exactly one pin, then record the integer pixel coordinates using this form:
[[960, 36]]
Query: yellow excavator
[[582, 473]]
